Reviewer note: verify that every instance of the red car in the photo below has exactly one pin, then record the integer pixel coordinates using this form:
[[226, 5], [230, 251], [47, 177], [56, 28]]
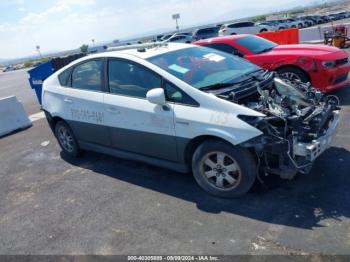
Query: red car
[[325, 67]]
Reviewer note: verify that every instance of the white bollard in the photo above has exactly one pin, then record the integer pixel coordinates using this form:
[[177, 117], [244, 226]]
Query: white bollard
[[12, 116]]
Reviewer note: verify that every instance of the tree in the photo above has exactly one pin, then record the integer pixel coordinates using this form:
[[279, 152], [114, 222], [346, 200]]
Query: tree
[[84, 48]]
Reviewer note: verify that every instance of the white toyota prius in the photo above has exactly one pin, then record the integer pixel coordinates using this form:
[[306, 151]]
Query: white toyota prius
[[190, 108]]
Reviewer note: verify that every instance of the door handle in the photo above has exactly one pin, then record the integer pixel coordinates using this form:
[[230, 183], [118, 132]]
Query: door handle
[[69, 101]]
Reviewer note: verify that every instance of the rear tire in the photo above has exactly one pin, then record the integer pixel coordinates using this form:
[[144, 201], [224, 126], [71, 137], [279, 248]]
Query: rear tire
[[263, 30], [293, 74], [66, 139], [223, 170]]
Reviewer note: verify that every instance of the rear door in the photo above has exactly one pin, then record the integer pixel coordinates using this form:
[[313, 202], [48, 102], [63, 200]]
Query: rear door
[[83, 102], [136, 125]]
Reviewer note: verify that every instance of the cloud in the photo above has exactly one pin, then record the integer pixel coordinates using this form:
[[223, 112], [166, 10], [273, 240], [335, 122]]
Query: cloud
[[67, 24], [60, 8]]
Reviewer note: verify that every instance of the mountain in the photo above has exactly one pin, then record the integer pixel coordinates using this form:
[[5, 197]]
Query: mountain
[[251, 12]]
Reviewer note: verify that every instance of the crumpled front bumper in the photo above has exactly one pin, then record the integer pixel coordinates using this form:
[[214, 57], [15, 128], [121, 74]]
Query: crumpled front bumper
[[314, 149]]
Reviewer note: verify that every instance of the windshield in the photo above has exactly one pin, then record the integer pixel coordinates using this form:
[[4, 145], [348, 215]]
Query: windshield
[[201, 66], [256, 44]]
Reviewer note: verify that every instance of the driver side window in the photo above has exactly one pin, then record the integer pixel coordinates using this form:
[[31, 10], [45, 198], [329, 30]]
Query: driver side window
[[130, 79]]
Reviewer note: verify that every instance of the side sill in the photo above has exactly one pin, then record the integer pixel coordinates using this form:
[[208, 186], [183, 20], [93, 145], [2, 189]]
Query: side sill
[[182, 168]]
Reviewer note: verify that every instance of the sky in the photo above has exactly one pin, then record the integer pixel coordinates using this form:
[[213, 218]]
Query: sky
[[57, 25]]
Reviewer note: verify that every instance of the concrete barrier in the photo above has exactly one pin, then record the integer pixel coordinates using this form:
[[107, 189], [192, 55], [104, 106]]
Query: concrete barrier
[[12, 116], [316, 34]]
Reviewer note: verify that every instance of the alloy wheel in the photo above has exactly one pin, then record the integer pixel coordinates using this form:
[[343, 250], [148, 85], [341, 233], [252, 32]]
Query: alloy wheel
[[220, 171], [66, 139], [291, 76]]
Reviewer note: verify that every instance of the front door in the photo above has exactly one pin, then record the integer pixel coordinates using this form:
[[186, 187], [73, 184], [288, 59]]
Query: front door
[[135, 124]]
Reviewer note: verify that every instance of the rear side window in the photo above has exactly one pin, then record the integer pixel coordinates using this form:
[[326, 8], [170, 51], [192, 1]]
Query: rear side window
[[207, 31], [63, 78], [248, 24], [130, 79], [234, 25], [88, 75]]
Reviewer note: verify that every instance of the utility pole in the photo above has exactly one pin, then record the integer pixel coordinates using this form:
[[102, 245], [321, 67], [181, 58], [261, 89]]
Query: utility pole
[[38, 50], [176, 17]]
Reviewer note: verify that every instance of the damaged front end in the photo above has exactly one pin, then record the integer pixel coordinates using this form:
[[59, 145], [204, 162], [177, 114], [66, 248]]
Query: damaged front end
[[298, 126]]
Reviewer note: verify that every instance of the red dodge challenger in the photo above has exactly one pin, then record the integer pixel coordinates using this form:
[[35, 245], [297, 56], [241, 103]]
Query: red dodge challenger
[[325, 67]]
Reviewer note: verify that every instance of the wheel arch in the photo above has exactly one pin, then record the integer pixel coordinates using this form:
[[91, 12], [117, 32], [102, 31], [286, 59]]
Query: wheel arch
[[53, 119], [193, 144], [295, 67]]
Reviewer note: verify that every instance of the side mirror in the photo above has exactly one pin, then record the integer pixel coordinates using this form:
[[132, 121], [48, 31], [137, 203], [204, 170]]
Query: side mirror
[[156, 96]]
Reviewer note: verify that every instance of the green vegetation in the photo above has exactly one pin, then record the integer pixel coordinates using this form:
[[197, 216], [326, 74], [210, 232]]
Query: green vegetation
[[84, 48], [36, 62], [259, 18], [28, 64]]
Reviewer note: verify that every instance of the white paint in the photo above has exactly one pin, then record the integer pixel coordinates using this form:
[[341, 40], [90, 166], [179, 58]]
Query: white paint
[[12, 115], [138, 114], [37, 116], [45, 143]]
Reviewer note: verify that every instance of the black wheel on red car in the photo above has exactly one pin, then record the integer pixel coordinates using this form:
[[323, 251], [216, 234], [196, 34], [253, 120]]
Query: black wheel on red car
[[293, 74]]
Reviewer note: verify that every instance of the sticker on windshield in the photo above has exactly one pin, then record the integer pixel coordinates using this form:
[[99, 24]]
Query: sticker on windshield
[[214, 57], [178, 68]]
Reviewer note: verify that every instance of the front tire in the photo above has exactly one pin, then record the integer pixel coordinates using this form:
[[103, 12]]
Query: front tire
[[223, 170], [66, 139], [293, 74]]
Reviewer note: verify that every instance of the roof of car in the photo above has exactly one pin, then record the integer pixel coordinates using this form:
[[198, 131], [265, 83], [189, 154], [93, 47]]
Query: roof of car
[[221, 38], [145, 53]]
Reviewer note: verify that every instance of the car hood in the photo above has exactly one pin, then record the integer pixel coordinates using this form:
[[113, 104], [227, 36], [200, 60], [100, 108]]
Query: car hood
[[317, 51]]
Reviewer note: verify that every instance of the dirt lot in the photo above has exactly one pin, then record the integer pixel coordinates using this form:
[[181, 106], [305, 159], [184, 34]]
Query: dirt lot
[[51, 204]]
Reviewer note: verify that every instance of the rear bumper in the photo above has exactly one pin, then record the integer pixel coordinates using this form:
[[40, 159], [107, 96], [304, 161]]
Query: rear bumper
[[314, 149]]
